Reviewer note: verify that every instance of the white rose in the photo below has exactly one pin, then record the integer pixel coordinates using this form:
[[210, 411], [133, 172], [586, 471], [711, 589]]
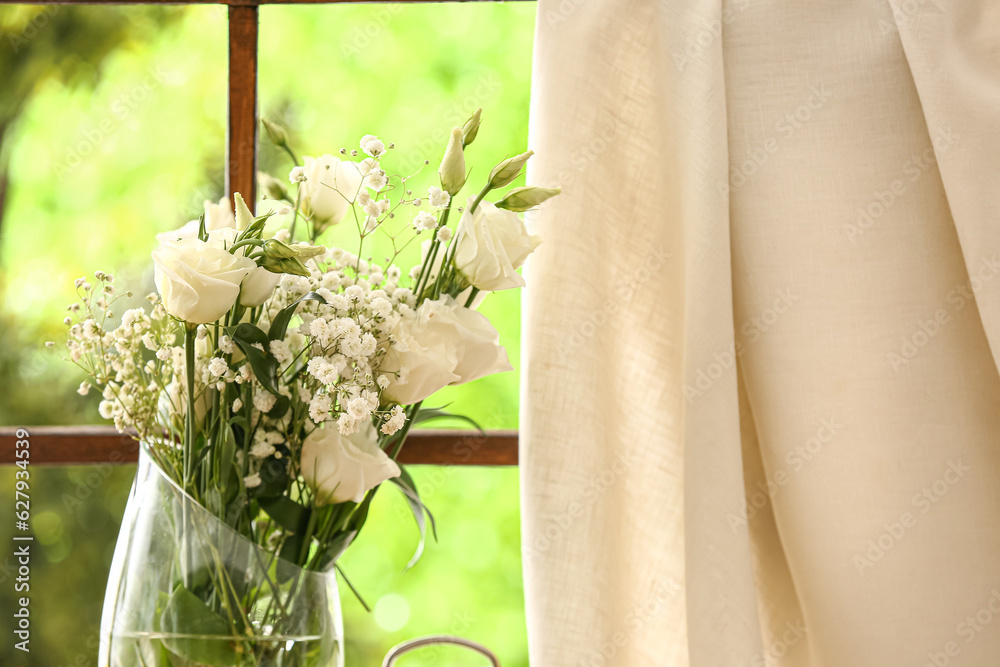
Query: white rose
[[492, 246], [443, 343], [330, 187], [217, 216], [339, 467], [198, 281], [259, 284], [258, 287]]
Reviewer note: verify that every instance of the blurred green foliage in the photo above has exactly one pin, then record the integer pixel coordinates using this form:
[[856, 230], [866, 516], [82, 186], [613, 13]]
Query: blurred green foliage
[[120, 134]]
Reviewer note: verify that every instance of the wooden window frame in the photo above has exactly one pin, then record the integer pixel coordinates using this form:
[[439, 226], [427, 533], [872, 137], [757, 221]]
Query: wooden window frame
[[56, 445]]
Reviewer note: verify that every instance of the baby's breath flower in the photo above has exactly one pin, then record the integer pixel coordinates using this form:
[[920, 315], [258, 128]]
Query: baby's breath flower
[[218, 367], [438, 197], [395, 421], [372, 146]]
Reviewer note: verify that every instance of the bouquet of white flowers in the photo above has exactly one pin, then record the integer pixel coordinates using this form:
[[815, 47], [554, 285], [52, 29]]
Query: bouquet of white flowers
[[274, 381]]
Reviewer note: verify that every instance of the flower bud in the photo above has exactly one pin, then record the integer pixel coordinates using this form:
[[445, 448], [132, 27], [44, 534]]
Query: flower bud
[[521, 199], [471, 127], [272, 187], [275, 132], [278, 250], [244, 217], [306, 251], [508, 170], [284, 265], [452, 169]]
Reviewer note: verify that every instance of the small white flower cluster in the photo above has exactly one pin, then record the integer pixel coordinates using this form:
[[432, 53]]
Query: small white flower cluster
[[337, 348], [129, 357]]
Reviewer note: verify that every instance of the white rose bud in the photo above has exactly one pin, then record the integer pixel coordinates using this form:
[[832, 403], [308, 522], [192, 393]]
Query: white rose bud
[[243, 215], [329, 189], [508, 170], [442, 344], [452, 169], [198, 282], [339, 467], [272, 187], [275, 132], [492, 244], [471, 128], [521, 199]]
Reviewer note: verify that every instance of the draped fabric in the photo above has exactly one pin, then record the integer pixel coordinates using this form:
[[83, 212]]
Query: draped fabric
[[760, 402]]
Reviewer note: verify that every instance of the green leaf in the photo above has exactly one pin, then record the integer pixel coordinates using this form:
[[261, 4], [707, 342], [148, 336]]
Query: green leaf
[[264, 365], [227, 453], [335, 548], [288, 556], [273, 479], [409, 488], [280, 408], [287, 513], [186, 614], [280, 323], [353, 589], [202, 232], [430, 414]]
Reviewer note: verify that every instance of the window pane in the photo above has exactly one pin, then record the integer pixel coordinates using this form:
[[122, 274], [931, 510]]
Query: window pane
[[114, 123]]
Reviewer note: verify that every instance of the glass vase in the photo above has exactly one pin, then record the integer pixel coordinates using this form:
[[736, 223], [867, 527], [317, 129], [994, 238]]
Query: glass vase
[[186, 590]]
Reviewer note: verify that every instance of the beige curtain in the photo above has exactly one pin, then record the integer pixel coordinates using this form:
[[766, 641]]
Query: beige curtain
[[761, 417]]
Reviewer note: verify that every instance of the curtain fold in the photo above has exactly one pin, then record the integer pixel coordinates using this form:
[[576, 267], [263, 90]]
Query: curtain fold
[[631, 449], [954, 54], [697, 484]]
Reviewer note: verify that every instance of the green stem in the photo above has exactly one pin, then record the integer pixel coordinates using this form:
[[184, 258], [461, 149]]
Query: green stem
[[414, 409], [190, 336], [291, 154], [479, 198], [295, 212]]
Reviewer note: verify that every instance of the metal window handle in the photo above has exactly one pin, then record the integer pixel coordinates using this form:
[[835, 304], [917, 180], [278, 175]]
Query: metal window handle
[[413, 644]]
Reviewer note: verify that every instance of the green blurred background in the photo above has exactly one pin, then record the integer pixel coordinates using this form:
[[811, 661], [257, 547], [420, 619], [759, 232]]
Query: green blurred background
[[112, 128]]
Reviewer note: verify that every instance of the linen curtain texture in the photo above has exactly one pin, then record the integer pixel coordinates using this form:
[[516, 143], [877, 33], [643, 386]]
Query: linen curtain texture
[[759, 377]]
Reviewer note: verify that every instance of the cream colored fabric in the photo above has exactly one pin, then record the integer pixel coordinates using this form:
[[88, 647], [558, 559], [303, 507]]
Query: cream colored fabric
[[761, 413]]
